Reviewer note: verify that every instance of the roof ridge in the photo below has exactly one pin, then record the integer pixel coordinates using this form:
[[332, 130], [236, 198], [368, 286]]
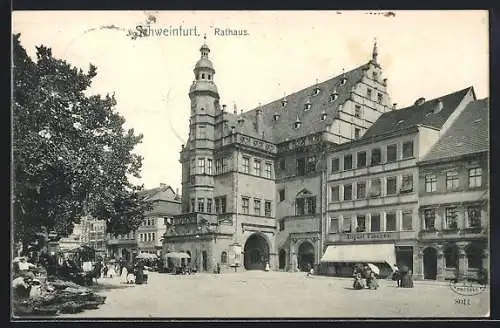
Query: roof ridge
[[434, 99]]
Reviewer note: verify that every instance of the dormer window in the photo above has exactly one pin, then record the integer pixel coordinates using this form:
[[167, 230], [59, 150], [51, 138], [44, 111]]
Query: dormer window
[[323, 116], [284, 101], [343, 80], [316, 91], [296, 125], [276, 117], [375, 76], [307, 105], [334, 96]]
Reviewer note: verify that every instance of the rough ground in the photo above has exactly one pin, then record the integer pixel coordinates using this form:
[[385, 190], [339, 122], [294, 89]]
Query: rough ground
[[278, 294]]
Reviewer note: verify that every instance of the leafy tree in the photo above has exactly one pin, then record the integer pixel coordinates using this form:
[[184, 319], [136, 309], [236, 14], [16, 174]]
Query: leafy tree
[[71, 154]]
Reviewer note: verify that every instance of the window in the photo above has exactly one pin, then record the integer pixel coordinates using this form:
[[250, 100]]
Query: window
[[193, 166], [224, 164], [153, 234], [391, 185], [311, 205], [451, 218], [357, 110], [282, 195], [361, 190], [223, 258], [369, 93], [269, 169], [333, 96], [256, 206], [218, 166], [451, 180], [220, 204], [335, 164], [305, 206], [407, 221], [407, 183], [407, 149], [390, 222], [392, 151], [282, 164], [193, 208], [245, 204], [346, 225], [474, 256], [474, 216], [246, 165], [202, 129], [201, 165], [375, 223], [375, 188], [267, 208], [316, 91], [335, 194], [380, 98], [361, 159], [299, 206], [347, 162], [201, 205], [429, 219], [357, 133], [376, 156], [348, 192], [257, 167], [475, 177], [334, 225], [307, 106], [430, 183], [301, 166], [450, 257], [209, 205], [360, 223], [153, 222], [209, 166], [141, 237], [282, 224], [311, 164]]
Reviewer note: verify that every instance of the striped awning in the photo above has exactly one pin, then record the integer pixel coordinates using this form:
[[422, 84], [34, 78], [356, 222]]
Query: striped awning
[[367, 253]]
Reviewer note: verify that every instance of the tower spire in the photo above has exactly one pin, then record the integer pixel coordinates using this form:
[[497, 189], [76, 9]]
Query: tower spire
[[375, 51]]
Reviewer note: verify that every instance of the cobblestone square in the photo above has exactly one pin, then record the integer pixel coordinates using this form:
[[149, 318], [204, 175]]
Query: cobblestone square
[[279, 295]]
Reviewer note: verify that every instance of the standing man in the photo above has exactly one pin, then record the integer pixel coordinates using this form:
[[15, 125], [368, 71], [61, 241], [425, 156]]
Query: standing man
[[396, 275]]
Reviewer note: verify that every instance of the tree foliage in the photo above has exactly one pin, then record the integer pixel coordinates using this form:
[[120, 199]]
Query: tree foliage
[[71, 154]]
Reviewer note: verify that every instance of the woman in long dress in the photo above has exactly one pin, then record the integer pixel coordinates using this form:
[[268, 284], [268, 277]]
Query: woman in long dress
[[111, 271], [124, 274]]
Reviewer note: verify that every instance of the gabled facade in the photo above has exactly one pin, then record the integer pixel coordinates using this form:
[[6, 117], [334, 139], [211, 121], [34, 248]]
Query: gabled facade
[[252, 182]]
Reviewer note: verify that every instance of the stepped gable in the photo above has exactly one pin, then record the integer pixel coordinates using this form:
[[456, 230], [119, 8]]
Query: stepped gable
[[282, 129], [468, 134]]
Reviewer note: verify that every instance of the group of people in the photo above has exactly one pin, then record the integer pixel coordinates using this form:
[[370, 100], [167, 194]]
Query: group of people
[[403, 277], [364, 277], [134, 274]]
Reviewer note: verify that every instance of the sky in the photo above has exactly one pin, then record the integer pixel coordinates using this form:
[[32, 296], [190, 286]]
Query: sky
[[422, 53]]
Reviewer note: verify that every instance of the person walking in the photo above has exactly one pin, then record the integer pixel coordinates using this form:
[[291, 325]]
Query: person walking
[[396, 276]]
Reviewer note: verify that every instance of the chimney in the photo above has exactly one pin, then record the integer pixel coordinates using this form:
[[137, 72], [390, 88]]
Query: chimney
[[438, 107], [394, 106], [419, 101], [258, 121], [163, 185]]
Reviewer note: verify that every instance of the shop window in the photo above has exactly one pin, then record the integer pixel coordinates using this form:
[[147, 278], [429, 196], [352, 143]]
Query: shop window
[[348, 192], [429, 219], [375, 222], [347, 162], [407, 219], [430, 183], [392, 151], [474, 256], [407, 149], [390, 222], [475, 176], [335, 194], [450, 257], [360, 190], [335, 165], [361, 159], [334, 225], [452, 180]]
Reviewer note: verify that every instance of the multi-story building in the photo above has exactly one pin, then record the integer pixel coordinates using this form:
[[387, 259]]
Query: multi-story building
[[253, 182], [90, 232], [453, 199], [166, 203], [372, 186], [148, 237]]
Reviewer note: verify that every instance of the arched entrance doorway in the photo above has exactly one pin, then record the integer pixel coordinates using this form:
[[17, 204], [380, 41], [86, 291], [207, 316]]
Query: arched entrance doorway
[[282, 259], [256, 252], [430, 263], [306, 256]]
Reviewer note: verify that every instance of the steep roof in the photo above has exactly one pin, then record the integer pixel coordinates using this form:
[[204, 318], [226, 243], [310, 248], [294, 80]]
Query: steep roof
[[422, 114], [283, 129], [468, 134], [162, 193]]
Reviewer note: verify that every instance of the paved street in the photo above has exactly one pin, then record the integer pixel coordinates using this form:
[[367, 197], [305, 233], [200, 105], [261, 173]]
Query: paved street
[[277, 294]]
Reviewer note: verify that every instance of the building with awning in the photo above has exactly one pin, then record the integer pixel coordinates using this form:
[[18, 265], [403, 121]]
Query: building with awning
[[382, 255]]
